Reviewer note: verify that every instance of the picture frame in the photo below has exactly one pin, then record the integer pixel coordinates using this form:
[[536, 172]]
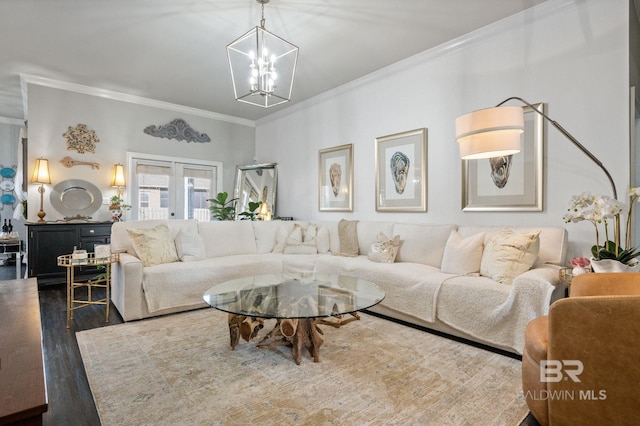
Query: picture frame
[[335, 179], [509, 185], [401, 172]]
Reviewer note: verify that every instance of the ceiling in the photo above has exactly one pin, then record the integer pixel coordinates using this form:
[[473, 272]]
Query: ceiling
[[174, 50]]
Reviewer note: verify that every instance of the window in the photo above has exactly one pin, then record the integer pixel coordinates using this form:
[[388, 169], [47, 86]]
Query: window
[[169, 188]]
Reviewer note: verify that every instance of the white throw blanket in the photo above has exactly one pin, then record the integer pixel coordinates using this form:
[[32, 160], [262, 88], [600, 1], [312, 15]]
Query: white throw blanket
[[496, 313], [411, 288], [182, 284]]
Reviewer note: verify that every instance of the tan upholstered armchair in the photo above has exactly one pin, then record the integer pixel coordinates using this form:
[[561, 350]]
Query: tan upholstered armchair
[[589, 350]]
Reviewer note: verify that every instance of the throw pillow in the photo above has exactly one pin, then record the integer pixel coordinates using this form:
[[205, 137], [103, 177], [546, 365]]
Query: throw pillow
[[462, 255], [348, 237], [322, 240], [301, 240], [509, 254], [153, 246], [189, 246], [281, 239], [384, 250]]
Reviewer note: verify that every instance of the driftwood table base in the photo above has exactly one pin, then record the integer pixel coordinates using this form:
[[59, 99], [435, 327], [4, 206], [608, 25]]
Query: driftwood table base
[[297, 333]]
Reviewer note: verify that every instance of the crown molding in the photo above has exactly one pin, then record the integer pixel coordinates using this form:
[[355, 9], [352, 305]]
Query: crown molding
[[26, 79]]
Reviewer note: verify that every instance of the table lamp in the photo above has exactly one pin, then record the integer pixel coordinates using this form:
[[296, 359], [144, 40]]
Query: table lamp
[[41, 176]]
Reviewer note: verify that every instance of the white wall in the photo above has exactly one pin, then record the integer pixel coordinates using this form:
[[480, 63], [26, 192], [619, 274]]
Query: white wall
[[573, 56], [119, 125]]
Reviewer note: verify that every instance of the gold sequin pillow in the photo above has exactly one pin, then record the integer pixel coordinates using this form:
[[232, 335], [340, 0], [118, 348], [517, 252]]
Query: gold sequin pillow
[[153, 246], [385, 249]]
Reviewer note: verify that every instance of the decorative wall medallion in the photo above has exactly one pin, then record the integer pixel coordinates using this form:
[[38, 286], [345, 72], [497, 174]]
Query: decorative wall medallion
[[70, 162], [81, 139], [179, 130]]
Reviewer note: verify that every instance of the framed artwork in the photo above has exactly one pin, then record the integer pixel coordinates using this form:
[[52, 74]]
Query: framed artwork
[[401, 172], [509, 183], [335, 179]]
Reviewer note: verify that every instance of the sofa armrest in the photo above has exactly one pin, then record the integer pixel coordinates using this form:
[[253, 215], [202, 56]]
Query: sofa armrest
[[602, 333], [546, 273], [126, 287]]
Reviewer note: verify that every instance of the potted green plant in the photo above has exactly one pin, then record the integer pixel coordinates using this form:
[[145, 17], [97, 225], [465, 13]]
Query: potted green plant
[[221, 208], [252, 213], [117, 207]]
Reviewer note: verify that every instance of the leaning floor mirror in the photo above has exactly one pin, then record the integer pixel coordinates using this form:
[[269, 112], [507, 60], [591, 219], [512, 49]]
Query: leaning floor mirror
[[256, 182]]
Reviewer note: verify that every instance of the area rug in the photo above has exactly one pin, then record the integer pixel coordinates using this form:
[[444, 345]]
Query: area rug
[[179, 369]]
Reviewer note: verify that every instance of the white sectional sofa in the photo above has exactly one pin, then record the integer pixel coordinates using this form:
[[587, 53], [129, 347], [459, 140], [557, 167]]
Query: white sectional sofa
[[420, 288]]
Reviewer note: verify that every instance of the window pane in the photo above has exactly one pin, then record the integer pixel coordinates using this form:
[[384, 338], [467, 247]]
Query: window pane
[[153, 195], [197, 189]]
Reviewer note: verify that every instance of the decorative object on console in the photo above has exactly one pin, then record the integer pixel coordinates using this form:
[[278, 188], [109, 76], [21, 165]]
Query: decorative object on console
[[512, 182], [81, 139], [335, 179], [117, 207], [252, 61], [401, 172], [70, 162], [179, 130], [41, 176], [76, 199]]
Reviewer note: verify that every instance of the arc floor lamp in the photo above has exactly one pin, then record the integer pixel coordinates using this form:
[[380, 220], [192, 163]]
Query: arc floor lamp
[[493, 132]]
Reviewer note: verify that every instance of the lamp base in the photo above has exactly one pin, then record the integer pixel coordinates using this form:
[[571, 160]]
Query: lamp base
[[41, 215]]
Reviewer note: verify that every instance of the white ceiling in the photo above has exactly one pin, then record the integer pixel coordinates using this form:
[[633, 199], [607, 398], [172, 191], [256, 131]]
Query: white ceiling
[[174, 50]]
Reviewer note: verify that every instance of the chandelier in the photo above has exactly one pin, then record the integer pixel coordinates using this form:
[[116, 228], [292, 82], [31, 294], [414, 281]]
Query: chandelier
[[262, 66]]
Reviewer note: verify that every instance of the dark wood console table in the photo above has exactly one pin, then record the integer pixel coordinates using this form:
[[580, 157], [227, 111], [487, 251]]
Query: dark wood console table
[[47, 241], [23, 392]]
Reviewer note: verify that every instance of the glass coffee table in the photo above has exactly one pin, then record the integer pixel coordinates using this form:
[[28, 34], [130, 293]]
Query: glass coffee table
[[299, 302]]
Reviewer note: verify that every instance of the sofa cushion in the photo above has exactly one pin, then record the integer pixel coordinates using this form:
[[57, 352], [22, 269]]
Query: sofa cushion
[[225, 238], [462, 255], [189, 246], [348, 236], [120, 241], [422, 243], [266, 233], [508, 254], [153, 246], [385, 249]]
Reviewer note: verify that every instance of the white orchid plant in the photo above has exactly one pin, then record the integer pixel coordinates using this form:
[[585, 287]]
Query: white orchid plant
[[603, 211]]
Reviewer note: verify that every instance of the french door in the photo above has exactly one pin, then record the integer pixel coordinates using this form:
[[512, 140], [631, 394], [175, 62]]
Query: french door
[[172, 188]]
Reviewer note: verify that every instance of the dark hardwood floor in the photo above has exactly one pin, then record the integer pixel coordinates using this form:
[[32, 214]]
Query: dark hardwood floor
[[70, 399]]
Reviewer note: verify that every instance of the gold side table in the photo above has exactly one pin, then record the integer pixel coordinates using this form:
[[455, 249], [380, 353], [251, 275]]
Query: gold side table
[[102, 280]]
